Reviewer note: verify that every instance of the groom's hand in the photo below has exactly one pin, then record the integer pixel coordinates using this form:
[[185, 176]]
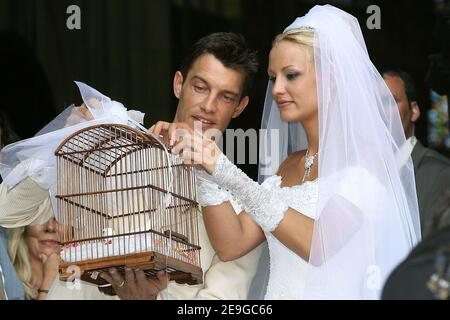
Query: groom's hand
[[136, 285], [192, 146], [163, 129]]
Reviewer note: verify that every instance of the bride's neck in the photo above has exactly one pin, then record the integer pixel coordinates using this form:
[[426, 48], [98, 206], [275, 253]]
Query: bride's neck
[[312, 134]]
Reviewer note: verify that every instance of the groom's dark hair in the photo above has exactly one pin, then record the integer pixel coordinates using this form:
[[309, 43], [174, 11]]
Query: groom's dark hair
[[231, 50]]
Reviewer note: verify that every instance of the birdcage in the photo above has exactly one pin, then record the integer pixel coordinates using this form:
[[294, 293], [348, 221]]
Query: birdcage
[[124, 201]]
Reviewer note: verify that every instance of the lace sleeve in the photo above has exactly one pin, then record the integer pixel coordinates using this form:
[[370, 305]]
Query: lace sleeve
[[263, 204], [208, 192]]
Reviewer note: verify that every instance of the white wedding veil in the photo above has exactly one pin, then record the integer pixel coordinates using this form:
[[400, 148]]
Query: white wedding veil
[[33, 161], [367, 213]]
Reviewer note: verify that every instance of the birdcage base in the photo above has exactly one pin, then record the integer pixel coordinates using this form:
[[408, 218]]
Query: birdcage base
[[149, 262]]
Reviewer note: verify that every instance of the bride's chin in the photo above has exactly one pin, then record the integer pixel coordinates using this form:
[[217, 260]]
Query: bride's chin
[[289, 117]]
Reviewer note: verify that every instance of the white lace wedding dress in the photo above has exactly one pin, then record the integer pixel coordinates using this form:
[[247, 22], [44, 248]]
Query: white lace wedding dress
[[287, 269], [348, 207]]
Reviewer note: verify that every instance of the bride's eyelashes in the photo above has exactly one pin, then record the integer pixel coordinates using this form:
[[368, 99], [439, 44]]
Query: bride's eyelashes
[[292, 75]]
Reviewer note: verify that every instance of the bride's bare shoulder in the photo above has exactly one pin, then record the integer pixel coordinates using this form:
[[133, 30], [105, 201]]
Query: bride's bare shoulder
[[290, 161]]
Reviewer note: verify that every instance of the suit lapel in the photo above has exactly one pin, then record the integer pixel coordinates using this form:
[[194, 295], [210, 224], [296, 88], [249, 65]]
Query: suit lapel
[[417, 155]]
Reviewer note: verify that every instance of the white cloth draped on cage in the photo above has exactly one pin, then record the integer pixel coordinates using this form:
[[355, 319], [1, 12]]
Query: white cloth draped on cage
[[120, 197]]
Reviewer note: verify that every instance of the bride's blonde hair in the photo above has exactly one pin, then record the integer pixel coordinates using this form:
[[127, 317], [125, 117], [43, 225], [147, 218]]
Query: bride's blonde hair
[[19, 255], [301, 36]]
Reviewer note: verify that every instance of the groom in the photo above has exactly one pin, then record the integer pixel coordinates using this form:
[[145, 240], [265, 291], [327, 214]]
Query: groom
[[212, 88]]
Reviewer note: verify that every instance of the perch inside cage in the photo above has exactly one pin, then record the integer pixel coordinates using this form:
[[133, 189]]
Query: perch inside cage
[[125, 202]]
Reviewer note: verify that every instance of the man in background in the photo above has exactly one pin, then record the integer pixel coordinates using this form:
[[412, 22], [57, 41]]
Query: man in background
[[432, 170]]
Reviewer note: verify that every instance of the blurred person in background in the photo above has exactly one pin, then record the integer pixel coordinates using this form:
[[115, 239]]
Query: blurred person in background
[[431, 169]]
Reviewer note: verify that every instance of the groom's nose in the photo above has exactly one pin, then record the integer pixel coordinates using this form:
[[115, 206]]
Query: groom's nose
[[209, 105]]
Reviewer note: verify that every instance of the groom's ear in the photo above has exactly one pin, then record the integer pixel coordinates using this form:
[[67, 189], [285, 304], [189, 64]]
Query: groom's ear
[[177, 84], [241, 107]]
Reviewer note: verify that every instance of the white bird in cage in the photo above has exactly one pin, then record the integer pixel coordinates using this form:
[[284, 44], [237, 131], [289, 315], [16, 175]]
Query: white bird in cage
[[107, 232]]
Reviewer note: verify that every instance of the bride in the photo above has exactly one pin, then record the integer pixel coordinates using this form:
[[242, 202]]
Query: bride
[[337, 215]]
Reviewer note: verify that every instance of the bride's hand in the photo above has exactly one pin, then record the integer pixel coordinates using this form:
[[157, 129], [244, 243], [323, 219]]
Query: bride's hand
[[192, 146]]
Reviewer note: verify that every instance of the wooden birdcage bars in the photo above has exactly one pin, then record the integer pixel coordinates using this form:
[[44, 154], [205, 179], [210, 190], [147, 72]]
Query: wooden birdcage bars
[[123, 201]]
